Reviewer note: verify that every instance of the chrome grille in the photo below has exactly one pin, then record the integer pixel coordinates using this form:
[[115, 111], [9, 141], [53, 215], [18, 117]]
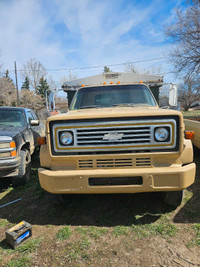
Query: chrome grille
[[113, 136], [127, 135]]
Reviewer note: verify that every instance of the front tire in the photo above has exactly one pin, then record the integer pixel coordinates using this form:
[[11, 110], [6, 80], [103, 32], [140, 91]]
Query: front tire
[[24, 172], [173, 198]]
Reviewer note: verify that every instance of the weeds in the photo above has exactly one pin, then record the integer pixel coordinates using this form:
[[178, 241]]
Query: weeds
[[92, 231], [23, 261], [4, 223], [64, 233], [120, 230], [30, 246]]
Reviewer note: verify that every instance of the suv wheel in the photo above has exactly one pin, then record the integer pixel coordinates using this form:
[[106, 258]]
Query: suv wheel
[[24, 174]]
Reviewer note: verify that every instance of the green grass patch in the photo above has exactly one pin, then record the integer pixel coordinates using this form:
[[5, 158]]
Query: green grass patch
[[196, 228], [4, 223], [30, 246], [64, 233], [166, 230], [191, 113], [23, 261], [7, 191], [78, 250], [120, 230], [92, 231], [187, 195]]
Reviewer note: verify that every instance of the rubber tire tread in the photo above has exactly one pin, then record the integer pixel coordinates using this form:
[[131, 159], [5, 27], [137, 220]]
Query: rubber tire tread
[[173, 198], [24, 174]]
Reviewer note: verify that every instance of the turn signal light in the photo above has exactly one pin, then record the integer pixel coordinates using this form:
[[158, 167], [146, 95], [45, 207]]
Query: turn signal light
[[111, 82], [12, 144], [189, 135], [13, 153], [41, 141], [82, 85], [104, 83]]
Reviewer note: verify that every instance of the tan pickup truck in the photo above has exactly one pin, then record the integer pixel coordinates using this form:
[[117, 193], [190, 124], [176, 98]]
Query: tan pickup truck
[[192, 125], [115, 139]]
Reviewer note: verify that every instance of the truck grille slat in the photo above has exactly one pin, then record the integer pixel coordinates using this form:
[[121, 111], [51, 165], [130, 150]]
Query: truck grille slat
[[114, 163]]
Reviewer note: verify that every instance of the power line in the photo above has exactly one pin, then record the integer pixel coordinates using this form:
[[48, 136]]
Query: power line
[[97, 66]]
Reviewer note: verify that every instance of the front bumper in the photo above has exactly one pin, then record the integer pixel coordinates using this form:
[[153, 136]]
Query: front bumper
[[153, 179], [9, 167]]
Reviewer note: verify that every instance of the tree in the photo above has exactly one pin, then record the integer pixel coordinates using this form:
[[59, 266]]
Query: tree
[[185, 35], [189, 91], [6, 75], [106, 69], [29, 99], [34, 70], [42, 87], [26, 84], [8, 92], [152, 70]]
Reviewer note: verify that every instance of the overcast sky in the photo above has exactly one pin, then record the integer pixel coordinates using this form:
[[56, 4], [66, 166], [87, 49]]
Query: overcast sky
[[80, 33]]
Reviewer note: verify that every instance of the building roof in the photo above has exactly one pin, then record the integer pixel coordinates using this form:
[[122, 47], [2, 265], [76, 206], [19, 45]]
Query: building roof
[[107, 78]]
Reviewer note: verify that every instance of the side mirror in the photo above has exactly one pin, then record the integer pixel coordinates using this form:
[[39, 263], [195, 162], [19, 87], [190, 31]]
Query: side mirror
[[34, 122], [173, 95]]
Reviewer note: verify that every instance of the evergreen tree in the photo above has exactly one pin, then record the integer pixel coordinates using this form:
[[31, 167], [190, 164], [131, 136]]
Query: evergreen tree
[[106, 69], [26, 84], [7, 76], [42, 87]]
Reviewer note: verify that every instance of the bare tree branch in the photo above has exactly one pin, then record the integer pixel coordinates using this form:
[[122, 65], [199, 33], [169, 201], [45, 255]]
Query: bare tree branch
[[185, 35], [34, 70]]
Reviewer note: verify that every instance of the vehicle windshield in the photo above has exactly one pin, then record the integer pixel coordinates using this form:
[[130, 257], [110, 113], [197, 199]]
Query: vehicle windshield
[[12, 118], [112, 96]]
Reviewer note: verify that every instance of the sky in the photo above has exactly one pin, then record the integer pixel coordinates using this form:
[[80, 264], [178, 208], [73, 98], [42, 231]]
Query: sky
[[74, 37]]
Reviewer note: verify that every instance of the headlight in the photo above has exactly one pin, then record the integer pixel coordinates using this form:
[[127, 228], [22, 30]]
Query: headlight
[[66, 138], [161, 134]]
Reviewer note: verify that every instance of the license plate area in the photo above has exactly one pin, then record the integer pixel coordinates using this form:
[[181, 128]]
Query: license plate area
[[114, 181]]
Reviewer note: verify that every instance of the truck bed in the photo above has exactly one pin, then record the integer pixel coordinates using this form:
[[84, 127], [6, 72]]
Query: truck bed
[[194, 126]]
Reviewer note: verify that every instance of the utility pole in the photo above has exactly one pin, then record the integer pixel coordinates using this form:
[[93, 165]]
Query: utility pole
[[16, 83]]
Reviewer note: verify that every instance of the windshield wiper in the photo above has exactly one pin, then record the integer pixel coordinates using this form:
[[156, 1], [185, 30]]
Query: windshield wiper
[[92, 106]]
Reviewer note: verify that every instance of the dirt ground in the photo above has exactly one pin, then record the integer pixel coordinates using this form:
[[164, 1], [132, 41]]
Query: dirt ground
[[101, 230]]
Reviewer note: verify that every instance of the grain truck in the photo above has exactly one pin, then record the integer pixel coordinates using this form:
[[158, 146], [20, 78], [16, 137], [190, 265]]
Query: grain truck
[[115, 139]]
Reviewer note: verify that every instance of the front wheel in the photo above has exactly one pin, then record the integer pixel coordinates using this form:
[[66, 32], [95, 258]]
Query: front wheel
[[24, 174], [173, 198], [57, 199]]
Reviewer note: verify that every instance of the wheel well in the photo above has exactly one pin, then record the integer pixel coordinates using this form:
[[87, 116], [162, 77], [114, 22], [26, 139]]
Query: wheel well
[[26, 147]]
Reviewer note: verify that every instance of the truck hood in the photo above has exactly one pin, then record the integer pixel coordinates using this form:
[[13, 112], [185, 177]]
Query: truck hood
[[9, 132], [113, 113]]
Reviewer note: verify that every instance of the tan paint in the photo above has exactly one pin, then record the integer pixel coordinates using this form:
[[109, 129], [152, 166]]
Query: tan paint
[[194, 126], [165, 171]]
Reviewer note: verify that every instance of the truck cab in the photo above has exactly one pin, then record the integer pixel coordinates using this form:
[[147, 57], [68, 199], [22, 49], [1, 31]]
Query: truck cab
[[116, 139]]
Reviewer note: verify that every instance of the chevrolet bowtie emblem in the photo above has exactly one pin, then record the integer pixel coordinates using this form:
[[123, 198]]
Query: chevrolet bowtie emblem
[[113, 136]]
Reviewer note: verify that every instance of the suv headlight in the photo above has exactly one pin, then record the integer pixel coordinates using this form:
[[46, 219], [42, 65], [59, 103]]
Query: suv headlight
[[161, 134], [66, 138]]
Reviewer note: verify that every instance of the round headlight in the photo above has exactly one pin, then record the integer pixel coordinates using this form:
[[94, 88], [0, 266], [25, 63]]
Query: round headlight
[[161, 134], [66, 138]]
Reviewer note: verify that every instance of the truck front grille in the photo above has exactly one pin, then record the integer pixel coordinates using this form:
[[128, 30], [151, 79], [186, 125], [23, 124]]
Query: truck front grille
[[105, 136], [114, 136]]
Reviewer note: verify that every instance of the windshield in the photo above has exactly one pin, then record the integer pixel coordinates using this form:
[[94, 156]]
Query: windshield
[[110, 96], [12, 118]]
